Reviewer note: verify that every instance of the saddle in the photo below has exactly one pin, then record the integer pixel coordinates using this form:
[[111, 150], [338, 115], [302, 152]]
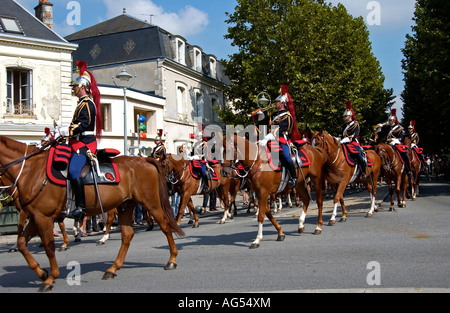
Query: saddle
[[106, 170], [402, 151], [298, 155], [349, 150], [195, 166]]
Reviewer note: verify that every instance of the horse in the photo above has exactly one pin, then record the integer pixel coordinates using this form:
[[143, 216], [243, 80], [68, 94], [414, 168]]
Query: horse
[[43, 201], [339, 172], [416, 167], [264, 181], [392, 168], [178, 173]]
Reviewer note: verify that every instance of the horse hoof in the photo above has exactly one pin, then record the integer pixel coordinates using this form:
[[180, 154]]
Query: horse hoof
[[45, 288], [62, 249], [109, 275], [317, 232], [342, 220], [190, 222], [281, 238], [195, 226], [301, 230], [222, 222], [100, 243], [170, 266], [12, 250], [254, 246], [369, 215], [44, 275], [331, 222]]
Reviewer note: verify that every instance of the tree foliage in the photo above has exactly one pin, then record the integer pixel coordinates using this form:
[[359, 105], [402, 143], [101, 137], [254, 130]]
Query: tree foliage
[[319, 50], [426, 66]]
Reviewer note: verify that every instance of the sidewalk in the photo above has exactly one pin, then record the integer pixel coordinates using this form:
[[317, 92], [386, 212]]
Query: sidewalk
[[356, 202]]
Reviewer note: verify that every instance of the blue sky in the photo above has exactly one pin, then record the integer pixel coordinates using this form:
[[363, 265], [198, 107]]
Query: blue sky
[[202, 22]]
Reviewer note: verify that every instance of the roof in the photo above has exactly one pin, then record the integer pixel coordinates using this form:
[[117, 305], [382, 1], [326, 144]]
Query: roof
[[118, 24], [28, 23]]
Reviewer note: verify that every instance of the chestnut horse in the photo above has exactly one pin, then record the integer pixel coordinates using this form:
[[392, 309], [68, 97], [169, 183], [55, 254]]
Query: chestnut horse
[[416, 167], [43, 201], [264, 181], [340, 173], [392, 168], [178, 173]]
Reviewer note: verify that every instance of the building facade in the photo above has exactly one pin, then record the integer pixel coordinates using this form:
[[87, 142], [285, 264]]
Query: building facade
[[168, 67], [35, 73]]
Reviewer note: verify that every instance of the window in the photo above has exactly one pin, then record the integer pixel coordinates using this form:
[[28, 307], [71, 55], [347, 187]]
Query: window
[[212, 67], [197, 60], [10, 25], [18, 92], [181, 52], [199, 105], [150, 125], [214, 114], [106, 115], [181, 102]]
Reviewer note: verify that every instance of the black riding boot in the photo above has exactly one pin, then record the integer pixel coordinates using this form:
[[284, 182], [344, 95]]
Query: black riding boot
[[407, 164], [362, 165], [206, 180], [80, 204], [293, 180]]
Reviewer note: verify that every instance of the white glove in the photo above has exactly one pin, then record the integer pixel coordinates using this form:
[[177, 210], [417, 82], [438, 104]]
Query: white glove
[[345, 140], [61, 131], [263, 142]]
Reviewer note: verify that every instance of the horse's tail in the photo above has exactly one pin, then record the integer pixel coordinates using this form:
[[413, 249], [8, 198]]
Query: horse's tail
[[164, 198]]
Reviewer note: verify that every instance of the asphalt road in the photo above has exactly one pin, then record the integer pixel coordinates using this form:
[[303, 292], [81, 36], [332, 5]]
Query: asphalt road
[[407, 250]]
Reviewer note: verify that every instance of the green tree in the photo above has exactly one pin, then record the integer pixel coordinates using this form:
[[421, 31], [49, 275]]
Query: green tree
[[426, 66], [319, 50]]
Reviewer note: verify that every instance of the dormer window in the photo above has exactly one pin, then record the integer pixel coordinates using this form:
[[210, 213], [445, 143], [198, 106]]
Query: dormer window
[[198, 60], [212, 67], [181, 49], [10, 25]]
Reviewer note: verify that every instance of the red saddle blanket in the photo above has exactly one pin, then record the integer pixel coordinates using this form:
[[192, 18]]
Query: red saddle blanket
[[349, 150], [274, 147], [58, 156], [195, 165]]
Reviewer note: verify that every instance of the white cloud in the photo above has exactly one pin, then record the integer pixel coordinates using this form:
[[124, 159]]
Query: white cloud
[[187, 21], [393, 13]]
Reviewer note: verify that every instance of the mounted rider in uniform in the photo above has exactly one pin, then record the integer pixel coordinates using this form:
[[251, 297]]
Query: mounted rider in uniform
[[351, 135], [283, 125], [198, 153], [395, 138], [85, 128]]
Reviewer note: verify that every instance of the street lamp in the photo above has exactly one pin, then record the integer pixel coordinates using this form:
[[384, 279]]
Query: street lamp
[[125, 80], [263, 99]]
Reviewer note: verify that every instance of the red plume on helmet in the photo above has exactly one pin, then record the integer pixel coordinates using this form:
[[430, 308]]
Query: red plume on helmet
[[412, 125], [348, 106], [394, 114], [93, 88], [295, 134]]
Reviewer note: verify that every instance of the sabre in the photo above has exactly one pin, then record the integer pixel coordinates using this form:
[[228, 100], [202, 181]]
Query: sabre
[[95, 184]]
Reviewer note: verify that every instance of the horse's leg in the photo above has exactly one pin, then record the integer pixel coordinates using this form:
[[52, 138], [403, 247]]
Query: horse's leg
[[194, 216], [42, 225], [22, 220], [305, 200], [339, 194], [184, 199], [398, 185], [262, 207], [127, 234], [391, 193], [157, 212], [62, 227], [109, 222], [22, 240]]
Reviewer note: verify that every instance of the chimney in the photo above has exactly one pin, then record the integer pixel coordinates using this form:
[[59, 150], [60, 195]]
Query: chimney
[[44, 12]]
